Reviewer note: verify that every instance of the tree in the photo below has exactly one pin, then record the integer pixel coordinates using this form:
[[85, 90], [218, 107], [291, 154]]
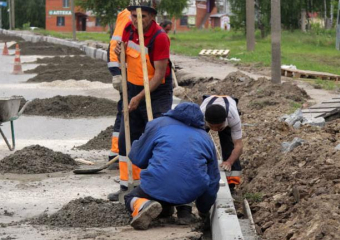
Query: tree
[[105, 10], [173, 8]]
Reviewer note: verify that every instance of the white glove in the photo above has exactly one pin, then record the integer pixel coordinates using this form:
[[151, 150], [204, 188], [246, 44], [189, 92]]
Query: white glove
[[117, 82]]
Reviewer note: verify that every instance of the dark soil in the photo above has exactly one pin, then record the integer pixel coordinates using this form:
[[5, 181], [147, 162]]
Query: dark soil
[[292, 195], [77, 68], [46, 49], [87, 212], [8, 38], [72, 107], [99, 142], [36, 159]]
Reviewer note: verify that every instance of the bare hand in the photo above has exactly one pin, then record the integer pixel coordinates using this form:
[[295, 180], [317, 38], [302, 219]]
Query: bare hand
[[134, 103], [226, 166], [118, 49]]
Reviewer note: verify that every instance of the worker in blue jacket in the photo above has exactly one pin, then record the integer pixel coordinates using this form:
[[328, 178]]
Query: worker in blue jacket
[[179, 166]]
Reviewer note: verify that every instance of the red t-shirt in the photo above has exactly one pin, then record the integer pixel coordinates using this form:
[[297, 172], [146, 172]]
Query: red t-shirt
[[161, 46]]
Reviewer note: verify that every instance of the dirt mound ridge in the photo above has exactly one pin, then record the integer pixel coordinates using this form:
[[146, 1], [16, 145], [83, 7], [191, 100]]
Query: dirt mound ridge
[[87, 212], [77, 68], [36, 159], [71, 107], [9, 38], [46, 48], [99, 142]]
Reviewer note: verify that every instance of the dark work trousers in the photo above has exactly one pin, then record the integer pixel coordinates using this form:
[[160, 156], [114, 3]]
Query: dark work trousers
[[166, 207], [161, 102], [116, 126], [227, 146]]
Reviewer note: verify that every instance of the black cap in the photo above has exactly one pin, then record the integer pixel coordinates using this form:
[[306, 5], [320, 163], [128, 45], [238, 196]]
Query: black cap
[[145, 5], [215, 114]]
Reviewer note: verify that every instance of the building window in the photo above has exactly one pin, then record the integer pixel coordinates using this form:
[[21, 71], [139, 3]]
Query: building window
[[66, 3], [98, 22], [184, 21], [60, 21]]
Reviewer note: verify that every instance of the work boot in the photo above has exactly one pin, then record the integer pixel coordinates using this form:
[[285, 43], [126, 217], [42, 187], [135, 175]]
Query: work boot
[[184, 215], [115, 196], [167, 212], [232, 188], [150, 211], [115, 165]]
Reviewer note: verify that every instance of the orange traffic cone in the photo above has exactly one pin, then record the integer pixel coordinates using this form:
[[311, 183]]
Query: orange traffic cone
[[5, 50], [17, 63]]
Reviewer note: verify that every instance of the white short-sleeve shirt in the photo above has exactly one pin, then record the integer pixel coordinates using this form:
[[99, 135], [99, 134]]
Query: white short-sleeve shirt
[[233, 119]]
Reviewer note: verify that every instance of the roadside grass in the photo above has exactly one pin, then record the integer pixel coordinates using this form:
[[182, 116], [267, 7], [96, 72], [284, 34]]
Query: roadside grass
[[307, 51], [313, 51], [254, 197], [81, 36]]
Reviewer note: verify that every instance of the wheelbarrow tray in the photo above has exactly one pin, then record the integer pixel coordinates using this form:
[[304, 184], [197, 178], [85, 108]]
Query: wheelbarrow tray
[[9, 107]]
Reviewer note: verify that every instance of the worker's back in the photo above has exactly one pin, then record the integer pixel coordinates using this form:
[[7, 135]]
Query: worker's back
[[178, 155]]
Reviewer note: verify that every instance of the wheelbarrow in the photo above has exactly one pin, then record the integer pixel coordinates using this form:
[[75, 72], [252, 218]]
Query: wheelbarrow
[[9, 111]]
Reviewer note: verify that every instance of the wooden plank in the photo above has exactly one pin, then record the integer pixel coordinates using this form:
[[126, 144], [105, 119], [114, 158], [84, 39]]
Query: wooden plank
[[220, 52], [327, 105], [332, 101], [208, 52], [318, 110], [312, 115], [214, 52]]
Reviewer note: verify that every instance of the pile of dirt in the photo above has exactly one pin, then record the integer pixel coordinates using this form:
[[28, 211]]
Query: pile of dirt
[[292, 195], [65, 68], [87, 212], [46, 49], [99, 142], [36, 159], [72, 107], [8, 38]]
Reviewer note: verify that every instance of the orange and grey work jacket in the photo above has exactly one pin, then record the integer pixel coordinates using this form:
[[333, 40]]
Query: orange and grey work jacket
[[133, 61], [123, 19]]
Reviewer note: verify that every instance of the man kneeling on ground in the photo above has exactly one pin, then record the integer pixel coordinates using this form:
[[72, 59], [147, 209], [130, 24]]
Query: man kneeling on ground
[[179, 166]]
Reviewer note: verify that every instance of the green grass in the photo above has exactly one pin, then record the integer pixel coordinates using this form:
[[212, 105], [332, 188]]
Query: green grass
[[326, 84], [313, 51], [307, 51], [294, 106], [254, 197], [81, 36]]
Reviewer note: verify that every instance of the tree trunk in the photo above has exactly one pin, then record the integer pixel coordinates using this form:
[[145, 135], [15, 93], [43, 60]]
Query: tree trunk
[[303, 20], [325, 13], [250, 9], [276, 41]]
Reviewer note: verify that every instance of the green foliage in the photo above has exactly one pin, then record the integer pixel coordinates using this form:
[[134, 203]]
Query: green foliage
[[290, 12], [173, 8], [254, 197], [26, 26], [106, 10], [32, 11]]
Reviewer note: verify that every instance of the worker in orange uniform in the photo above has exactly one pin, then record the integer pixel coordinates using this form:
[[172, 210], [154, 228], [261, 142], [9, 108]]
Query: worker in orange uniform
[[221, 115], [160, 81], [123, 18]]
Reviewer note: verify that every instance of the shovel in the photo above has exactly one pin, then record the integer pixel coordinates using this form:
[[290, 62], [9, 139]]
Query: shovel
[[95, 170]]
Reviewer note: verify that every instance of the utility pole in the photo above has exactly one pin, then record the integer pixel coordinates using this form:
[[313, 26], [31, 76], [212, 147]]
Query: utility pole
[[13, 14], [276, 40], [250, 12], [338, 29], [73, 21], [10, 14]]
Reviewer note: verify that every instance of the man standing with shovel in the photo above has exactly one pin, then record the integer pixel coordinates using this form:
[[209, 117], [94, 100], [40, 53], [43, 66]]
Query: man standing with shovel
[[160, 81]]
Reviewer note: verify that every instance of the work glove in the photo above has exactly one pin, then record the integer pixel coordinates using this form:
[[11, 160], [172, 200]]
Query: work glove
[[117, 82]]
